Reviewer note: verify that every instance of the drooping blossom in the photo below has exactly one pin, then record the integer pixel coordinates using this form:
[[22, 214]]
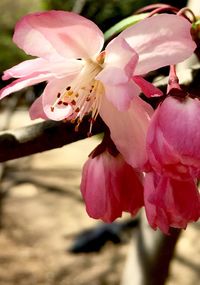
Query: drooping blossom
[[173, 138], [170, 202], [110, 187], [82, 79], [171, 196]]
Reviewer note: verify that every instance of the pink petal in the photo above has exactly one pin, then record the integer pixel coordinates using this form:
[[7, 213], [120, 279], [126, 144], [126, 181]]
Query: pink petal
[[162, 156], [183, 122], [36, 110], [110, 186], [160, 40], [59, 68], [120, 54], [63, 68], [53, 34], [112, 76], [147, 88], [96, 188], [155, 215], [131, 188], [170, 202], [49, 97], [26, 68], [186, 202], [175, 119], [22, 83], [121, 95], [128, 129], [119, 65]]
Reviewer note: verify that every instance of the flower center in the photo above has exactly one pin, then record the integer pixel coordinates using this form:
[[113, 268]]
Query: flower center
[[83, 94]]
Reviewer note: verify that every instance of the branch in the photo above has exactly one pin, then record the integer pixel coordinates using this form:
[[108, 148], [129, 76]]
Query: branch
[[43, 136], [149, 256]]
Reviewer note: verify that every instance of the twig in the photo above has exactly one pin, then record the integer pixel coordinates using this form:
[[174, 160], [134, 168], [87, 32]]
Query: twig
[[43, 136], [149, 256]]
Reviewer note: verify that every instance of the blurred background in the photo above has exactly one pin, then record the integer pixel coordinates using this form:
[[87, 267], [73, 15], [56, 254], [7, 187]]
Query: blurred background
[[46, 238]]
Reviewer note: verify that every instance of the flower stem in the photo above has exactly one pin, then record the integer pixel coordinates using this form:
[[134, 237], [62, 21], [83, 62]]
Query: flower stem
[[173, 82]]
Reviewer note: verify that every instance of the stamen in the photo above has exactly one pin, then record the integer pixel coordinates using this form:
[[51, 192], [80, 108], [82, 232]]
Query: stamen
[[101, 57], [73, 102], [89, 134], [83, 94], [78, 124], [69, 93]]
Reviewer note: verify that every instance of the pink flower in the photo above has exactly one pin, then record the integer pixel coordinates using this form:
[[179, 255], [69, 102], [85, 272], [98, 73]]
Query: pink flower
[[173, 142], [110, 186], [170, 202], [173, 139], [81, 79]]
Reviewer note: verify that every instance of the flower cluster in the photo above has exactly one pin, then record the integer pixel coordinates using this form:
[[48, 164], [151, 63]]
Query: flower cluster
[[157, 160]]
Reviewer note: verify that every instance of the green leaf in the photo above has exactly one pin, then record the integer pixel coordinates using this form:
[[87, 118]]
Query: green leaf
[[122, 25], [196, 24]]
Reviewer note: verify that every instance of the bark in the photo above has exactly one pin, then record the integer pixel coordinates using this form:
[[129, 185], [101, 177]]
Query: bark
[[149, 256], [43, 136]]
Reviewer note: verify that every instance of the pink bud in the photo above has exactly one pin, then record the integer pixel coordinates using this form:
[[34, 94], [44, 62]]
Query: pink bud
[[173, 139], [110, 186]]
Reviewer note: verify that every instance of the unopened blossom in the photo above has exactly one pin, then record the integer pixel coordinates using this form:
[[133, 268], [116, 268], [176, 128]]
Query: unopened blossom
[[84, 79], [173, 138], [110, 187], [170, 202]]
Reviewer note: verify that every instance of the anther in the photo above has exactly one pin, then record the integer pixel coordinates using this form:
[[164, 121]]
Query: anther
[[70, 92], [73, 102], [77, 126], [68, 88], [52, 108], [58, 95], [60, 102]]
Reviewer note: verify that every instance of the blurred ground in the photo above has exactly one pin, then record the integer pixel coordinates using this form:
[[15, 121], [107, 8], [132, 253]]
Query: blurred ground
[[43, 213]]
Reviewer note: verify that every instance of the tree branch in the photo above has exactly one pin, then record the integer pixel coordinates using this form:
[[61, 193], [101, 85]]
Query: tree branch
[[43, 136]]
